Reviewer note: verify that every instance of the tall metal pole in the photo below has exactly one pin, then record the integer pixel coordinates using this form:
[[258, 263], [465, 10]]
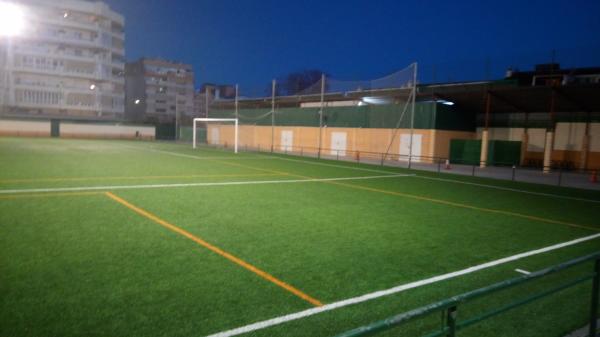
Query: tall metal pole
[[8, 82], [273, 115], [206, 102], [194, 133], [412, 116], [321, 114], [237, 115], [235, 146], [176, 116], [237, 110]]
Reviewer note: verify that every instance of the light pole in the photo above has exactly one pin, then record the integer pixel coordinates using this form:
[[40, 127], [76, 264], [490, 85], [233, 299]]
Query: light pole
[[176, 116], [12, 23]]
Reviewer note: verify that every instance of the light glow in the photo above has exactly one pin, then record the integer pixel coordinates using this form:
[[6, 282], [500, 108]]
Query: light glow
[[137, 101], [377, 100], [12, 19], [92, 87]]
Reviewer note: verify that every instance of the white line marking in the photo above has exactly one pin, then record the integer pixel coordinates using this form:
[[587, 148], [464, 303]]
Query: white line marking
[[226, 183], [392, 172], [509, 189], [151, 149], [334, 165], [525, 272], [447, 180], [394, 290]]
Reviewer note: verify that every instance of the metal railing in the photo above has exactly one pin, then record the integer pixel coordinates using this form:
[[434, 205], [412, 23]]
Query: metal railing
[[557, 176], [450, 306]]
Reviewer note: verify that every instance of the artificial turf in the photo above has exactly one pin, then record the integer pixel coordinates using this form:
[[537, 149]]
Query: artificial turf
[[78, 263]]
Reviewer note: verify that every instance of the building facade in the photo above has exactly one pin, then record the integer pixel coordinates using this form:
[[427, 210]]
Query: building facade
[[68, 63], [208, 94], [159, 91]]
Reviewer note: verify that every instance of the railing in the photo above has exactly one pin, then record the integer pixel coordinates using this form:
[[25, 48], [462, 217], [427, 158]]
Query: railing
[[450, 306], [557, 176]]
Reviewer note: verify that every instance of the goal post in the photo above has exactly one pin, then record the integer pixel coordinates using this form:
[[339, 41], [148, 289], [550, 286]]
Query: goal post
[[206, 120]]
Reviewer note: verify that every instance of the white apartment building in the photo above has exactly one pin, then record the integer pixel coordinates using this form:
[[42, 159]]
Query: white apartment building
[[159, 91], [69, 62]]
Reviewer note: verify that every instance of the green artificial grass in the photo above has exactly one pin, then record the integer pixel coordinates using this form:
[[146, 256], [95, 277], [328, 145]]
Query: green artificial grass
[[86, 265]]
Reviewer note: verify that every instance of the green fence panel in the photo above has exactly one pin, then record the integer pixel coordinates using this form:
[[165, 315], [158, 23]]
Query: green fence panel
[[165, 131], [186, 134], [428, 115], [54, 128], [299, 117], [465, 151], [503, 152]]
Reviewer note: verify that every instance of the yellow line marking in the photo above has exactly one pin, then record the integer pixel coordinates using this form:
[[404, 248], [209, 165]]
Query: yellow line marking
[[132, 178], [423, 198], [46, 195], [455, 204], [216, 250]]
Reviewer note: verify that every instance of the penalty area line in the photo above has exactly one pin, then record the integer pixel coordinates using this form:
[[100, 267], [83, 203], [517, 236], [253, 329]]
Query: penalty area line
[[387, 292], [227, 183]]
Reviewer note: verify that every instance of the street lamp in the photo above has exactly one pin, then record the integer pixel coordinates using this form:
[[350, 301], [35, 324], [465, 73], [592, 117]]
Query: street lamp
[[12, 19], [12, 23]]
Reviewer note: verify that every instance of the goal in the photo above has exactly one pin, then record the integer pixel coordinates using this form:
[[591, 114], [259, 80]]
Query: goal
[[217, 120]]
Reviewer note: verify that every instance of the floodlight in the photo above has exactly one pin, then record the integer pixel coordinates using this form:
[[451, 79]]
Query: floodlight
[[377, 100], [92, 87], [445, 102], [12, 19], [136, 102]]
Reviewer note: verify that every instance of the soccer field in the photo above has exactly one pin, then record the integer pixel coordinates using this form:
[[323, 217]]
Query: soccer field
[[124, 238]]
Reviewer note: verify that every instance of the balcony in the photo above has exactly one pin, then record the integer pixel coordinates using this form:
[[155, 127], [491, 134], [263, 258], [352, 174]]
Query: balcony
[[71, 23]]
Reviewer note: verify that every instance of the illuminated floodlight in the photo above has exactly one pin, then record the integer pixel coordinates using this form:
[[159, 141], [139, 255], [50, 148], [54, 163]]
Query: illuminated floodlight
[[137, 101], [12, 19], [92, 87], [443, 101], [377, 100]]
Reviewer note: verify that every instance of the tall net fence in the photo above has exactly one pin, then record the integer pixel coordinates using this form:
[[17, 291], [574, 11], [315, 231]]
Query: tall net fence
[[322, 117]]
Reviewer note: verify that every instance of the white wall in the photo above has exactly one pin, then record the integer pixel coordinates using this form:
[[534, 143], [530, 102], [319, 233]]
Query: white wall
[[106, 130], [13, 127], [595, 137], [537, 137], [512, 134], [537, 140], [569, 136]]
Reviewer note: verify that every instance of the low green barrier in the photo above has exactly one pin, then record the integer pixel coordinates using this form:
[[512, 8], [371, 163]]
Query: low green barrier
[[450, 306]]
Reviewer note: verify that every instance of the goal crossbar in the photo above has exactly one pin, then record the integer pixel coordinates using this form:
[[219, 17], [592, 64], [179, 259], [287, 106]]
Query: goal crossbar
[[234, 120]]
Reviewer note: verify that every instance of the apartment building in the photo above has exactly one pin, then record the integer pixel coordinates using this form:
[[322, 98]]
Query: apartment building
[[208, 93], [159, 91], [67, 63]]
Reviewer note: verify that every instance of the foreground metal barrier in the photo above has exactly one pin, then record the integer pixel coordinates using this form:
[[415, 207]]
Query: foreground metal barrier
[[450, 306]]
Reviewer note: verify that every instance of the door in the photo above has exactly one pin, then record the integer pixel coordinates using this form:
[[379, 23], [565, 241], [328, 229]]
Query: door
[[287, 140], [405, 147], [338, 143], [54, 128], [214, 135]]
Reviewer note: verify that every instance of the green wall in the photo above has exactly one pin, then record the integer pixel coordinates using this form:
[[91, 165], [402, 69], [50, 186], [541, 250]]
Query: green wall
[[428, 115], [500, 152]]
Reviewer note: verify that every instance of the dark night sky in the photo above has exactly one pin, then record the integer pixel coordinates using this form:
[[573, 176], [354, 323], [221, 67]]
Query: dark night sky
[[252, 41]]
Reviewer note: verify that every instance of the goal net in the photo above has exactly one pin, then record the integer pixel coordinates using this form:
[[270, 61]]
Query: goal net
[[210, 131]]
